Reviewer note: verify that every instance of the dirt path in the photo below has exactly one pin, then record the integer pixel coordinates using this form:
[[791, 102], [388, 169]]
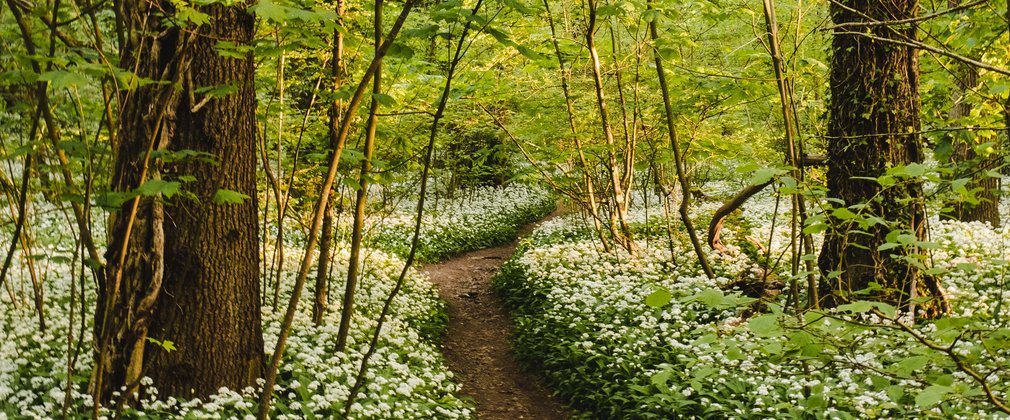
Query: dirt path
[[477, 344]]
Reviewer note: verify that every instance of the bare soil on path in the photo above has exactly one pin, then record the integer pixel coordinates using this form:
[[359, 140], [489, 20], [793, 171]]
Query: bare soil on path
[[476, 345]]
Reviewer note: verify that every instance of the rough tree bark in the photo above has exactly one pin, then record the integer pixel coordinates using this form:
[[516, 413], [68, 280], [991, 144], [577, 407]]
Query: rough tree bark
[[186, 271], [874, 115]]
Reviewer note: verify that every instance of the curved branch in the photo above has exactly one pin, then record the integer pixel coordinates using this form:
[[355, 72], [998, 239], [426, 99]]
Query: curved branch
[[720, 215]]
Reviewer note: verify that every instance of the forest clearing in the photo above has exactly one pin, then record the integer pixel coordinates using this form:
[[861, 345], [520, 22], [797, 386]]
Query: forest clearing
[[504, 209]]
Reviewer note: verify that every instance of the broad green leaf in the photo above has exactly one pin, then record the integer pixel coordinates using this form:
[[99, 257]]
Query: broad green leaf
[[766, 325], [661, 377], [712, 297], [912, 364], [59, 79], [224, 196], [764, 175], [915, 170], [843, 213], [931, 395], [658, 298], [861, 306], [268, 10], [383, 99], [154, 187]]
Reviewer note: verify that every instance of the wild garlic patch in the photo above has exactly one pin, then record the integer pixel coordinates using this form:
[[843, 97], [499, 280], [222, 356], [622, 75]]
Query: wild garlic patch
[[474, 219], [584, 318], [407, 376]]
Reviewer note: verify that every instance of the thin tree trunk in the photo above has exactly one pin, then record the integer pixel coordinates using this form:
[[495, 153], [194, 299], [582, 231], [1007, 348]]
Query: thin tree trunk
[[322, 273], [353, 263], [593, 205], [987, 208], [359, 381], [317, 218], [798, 214], [685, 187], [618, 216]]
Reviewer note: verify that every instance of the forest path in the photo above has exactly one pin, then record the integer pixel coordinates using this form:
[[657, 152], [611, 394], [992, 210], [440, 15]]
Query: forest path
[[476, 345]]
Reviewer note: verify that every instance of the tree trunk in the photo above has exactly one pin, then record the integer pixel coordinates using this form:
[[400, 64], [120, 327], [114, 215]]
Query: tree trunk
[[968, 164], [189, 269], [874, 115], [987, 208], [321, 300]]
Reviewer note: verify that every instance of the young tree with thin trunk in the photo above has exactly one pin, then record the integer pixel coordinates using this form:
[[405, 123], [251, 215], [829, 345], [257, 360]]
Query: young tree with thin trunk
[[616, 170], [685, 186], [321, 301], [986, 209], [873, 126], [590, 203], [361, 198], [320, 209]]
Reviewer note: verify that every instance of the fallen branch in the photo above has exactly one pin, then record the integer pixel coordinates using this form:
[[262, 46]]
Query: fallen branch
[[720, 215]]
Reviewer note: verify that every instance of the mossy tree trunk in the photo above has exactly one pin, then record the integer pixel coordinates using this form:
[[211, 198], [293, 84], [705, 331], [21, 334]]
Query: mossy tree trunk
[[873, 126]]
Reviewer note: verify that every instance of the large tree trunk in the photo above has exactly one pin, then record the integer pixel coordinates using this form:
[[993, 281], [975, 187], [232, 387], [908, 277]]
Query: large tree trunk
[[874, 118], [189, 272]]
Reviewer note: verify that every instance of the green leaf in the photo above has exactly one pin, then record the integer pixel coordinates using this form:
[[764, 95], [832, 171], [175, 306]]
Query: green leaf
[[764, 175], [915, 170], [224, 196], [712, 297], [269, 10], [609, 10], [843, 213], [858, 307], [530, 53], [931, 395], [168, 345], [658, 298], [398, 50], [154, 187], [888, 245], [383, 99], [912, 364], [766, 325], [59, 79], [661, 377]]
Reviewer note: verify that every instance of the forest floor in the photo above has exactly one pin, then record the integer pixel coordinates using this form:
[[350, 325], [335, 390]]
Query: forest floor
[[476, 345]]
